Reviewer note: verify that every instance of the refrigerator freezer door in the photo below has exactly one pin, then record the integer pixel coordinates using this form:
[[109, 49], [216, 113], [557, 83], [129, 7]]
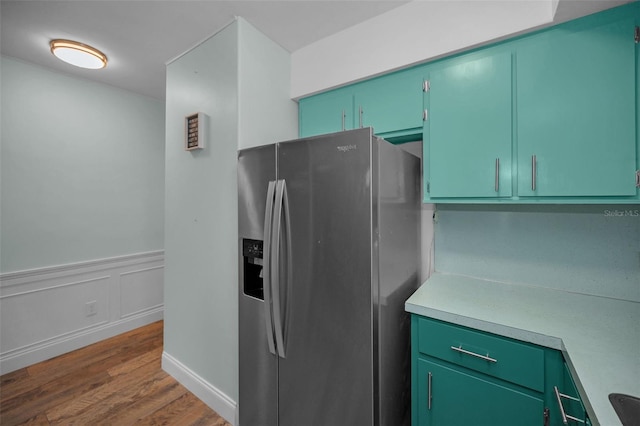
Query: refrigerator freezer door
[[326, 377], [258, 367]]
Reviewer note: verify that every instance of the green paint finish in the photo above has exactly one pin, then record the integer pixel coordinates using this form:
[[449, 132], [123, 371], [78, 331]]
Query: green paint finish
[[516, 362], [569, 94], [392, 105], [392, 102], [469, 128], [576, 111], [467, 390], [463, 398], [326, 113]]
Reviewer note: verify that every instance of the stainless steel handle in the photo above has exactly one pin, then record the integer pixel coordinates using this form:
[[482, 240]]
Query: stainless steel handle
[[497, 184], [343, 119], [360, 113], [565, 416], [266, 276], [466, 352], [289, 248], [534, 163], [275, 266], [562, 413], [430, 378], [637, 178]]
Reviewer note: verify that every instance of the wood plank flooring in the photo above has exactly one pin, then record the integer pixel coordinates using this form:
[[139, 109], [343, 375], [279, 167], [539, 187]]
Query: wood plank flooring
[[116, 382]]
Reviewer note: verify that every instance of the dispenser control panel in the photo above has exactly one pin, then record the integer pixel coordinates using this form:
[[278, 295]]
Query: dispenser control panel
[[252, 248], [252, 268]]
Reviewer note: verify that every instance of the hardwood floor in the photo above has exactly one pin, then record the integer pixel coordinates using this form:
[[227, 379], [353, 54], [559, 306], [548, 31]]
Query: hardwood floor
[[116, 382]]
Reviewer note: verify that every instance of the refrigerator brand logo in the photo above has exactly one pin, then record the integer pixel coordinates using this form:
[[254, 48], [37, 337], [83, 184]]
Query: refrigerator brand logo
[[345, 148]]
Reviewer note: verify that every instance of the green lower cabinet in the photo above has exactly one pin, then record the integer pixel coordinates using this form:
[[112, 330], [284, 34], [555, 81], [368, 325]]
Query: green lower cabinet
[[462, 376], [450, 397]]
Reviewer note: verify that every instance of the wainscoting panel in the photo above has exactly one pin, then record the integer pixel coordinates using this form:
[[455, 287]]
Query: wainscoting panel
[[139, 291], [49, 311]]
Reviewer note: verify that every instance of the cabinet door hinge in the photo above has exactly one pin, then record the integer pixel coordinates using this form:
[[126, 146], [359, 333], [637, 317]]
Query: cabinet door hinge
[[426, 85], [545, 417], [425, 115], [637, 35]]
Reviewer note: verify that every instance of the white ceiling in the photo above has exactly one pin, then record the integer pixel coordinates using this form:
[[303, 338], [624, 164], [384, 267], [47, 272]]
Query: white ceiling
[[140, 37]]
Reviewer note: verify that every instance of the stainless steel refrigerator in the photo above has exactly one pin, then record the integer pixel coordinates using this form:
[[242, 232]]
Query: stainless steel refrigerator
[[329, 252]]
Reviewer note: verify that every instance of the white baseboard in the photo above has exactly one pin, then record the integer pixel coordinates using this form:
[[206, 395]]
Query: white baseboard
[[44, 312], [209, 394]]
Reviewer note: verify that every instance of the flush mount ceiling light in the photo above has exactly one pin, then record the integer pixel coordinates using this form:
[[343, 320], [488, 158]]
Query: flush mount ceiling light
[[78, 54]]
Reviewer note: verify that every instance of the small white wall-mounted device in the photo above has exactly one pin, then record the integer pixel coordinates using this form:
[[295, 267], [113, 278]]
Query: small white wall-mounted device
[[195, 131]]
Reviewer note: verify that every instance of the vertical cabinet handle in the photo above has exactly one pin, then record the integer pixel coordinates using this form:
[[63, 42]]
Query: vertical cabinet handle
[[429, 379], [360, 113], [533, 172], [637, 178], [343, 119], [497, 184]]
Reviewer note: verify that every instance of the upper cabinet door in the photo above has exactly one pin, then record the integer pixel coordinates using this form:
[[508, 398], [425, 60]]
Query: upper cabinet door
[[576, 112], [390, 103], [467, 149], [326, 113]]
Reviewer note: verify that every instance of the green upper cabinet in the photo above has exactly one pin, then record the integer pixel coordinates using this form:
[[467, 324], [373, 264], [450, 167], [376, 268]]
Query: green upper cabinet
[[548, 117], [576, 112], [391, 104], [326, 113], [467, 142]]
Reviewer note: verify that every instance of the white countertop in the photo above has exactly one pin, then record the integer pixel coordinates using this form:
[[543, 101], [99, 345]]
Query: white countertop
[[599, 337]]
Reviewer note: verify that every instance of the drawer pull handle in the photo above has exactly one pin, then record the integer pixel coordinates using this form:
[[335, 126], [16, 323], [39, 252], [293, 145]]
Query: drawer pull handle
[[565, 416], [485, 357]]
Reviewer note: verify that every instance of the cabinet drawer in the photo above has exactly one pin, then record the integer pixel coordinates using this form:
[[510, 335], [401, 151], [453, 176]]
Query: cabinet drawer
[[495, 356]]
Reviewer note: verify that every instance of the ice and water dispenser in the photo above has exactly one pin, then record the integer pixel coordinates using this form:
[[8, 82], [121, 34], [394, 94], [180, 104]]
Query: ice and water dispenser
[[252, 267]]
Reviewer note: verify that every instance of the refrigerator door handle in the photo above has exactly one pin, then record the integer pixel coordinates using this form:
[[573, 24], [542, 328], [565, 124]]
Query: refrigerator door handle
[[289, 248], [281, 206], [266, 275]]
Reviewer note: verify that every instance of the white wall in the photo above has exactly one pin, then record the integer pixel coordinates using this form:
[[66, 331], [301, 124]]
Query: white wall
[[81, 217], [413, 33], [200, 335], [265, 109], [239, 79], [82, 169], [588, 249]]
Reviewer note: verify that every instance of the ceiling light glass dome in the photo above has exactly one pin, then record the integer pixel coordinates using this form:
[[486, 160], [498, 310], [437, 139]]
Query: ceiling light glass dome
[[78, 54]]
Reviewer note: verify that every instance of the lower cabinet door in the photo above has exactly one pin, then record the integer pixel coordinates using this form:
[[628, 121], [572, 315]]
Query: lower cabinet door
[[449, 397]]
